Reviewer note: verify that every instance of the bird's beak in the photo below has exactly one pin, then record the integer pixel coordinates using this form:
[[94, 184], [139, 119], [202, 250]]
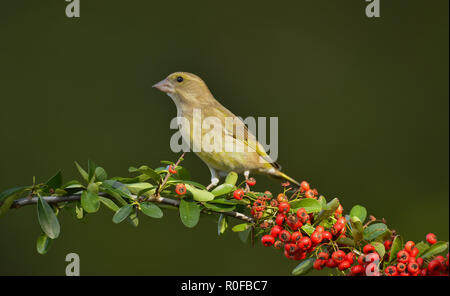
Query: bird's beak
[[165, 86]]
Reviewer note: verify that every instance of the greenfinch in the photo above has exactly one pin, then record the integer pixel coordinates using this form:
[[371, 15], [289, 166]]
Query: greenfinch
[[190, 94]]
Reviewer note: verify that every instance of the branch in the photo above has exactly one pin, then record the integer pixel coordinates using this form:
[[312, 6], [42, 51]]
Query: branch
[[164, 200]]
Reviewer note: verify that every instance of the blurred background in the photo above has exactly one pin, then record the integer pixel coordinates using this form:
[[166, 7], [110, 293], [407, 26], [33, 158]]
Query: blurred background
[[362, 105]]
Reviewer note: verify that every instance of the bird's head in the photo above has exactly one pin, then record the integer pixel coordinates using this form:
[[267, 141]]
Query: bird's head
[[184, 86]]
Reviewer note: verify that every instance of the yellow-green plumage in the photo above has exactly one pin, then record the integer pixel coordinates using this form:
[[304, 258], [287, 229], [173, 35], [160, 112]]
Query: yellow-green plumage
[[190, 92]]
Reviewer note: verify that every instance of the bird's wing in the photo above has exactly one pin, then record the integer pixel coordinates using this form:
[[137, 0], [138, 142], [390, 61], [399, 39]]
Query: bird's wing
[[248, 139]]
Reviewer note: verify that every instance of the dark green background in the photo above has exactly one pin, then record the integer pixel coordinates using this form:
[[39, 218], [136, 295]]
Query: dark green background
[[362, 106]]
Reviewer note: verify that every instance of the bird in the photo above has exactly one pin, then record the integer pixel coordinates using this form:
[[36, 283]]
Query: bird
[[190, 94]]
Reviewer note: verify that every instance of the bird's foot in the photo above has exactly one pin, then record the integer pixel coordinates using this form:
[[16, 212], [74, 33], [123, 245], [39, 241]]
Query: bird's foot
[[214, 182], [246, 174]]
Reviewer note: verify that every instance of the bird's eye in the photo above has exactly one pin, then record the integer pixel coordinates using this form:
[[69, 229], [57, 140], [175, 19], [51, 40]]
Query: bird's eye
[[180, 79]]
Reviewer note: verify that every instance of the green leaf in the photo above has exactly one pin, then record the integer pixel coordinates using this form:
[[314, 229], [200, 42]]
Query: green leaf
[[175, 181], [323, 201], [223, 189], [374, 230], [90, 201], [135, 188], [346, 241], [396, 246], [47, 219], [8, 196], [309, 229], [379, 247], [79, 213], [189, 213], [309, 204], [146, 171], [231, 178], [240, 227], [133, 219], [82, 172], [43, 243], [151, 210], [100, 174], [328, 211], [435, 249], [219, 207], [360, 212], [91, 170], [225, 201], [244, 235], [109, 203], [11, 191], [55, 181], [422, 247], [122, 213], [222, 224], [357, 228], [118, 188], [183, 173], [199, 194], [304, 267]]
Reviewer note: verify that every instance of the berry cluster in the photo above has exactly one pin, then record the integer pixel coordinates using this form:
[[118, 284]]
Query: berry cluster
[[302, 234], [409, 264]]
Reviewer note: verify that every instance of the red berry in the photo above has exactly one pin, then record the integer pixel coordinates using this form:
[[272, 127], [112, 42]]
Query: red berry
[[431, 238], [279, 220], [409, 245], [362, 260], [278, 244], [290, 248], [251, 182], [413, 267], [338, 256], [434, 266], [296, 236], [330, 263], [316, 237], [304, 243], [419, 261], [309, 194], [172, 170], [319, 228], [300, 255], [402, 256], [180, 189], [341, 220], [284, 207], [338, 227], [318, 264], [401, 266], [323, 256], [357, 269], [387, 244], [391, 270], [304, 185], [368, 249], [238, 194], [302, 215], [267, 240], [350, 257], [275, 231], [284, 236], [344, 265], [281, 198], [414, 252], [326, 236]]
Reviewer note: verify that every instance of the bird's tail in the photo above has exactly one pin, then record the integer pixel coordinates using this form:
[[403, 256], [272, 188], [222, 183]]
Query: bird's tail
[[282, 175]]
